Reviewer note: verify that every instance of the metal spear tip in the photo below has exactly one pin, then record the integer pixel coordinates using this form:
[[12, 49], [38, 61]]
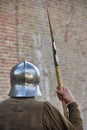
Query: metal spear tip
[[54, 47], [56, 60]]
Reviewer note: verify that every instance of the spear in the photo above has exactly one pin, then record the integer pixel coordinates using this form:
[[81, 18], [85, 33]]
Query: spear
[[57, 67]]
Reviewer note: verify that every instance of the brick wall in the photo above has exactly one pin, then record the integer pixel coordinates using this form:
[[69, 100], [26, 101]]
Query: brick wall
[[25, 35]]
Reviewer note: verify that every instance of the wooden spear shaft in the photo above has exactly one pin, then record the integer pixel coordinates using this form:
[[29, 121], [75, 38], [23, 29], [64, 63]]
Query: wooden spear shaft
[[60, 86], [57, 67]]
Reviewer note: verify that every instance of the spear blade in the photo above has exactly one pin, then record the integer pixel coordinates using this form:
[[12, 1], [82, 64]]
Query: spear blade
[[56, 61]]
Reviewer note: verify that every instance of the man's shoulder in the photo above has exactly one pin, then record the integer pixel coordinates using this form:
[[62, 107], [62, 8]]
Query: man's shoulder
[[41, 104], [3, 101]]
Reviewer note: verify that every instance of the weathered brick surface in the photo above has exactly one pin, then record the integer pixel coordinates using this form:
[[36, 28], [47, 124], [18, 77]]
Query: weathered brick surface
[[25, 35]]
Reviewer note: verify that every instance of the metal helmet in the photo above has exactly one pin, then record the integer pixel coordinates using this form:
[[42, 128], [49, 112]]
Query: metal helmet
[[24, 80]]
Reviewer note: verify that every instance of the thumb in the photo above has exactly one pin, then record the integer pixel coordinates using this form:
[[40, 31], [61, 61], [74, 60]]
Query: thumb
[[59, 92]]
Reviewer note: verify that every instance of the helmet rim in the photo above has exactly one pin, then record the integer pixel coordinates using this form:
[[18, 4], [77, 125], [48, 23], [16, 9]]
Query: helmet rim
[[25, 90]]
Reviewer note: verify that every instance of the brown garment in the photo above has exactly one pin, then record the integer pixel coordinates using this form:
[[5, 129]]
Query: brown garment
[[29, 114]]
